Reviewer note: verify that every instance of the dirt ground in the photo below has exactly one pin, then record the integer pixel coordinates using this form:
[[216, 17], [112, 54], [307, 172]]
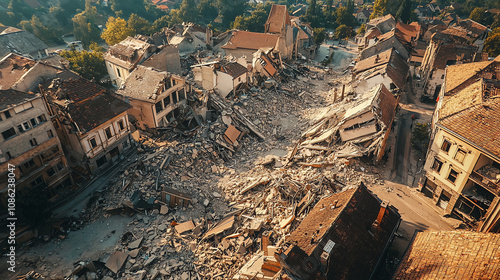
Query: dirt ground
[[97, 240]]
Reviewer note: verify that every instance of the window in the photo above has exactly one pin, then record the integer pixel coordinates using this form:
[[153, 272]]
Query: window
[[166, 101], [118, 71], [51, 172], [27, 165], [38, 181], [460, 155], [452, 177], [108, 133], [121, 125], [182, 94], [33, 122], [59, 167], [7, 115], [50, 133], [437, 165], [42, 119], [159, 107], [442, 77], [33, 142], [23, 107], [446, 146], [9, 156], [102, 160], [8, 133], [174, 97], [24, 127], [93, 142]]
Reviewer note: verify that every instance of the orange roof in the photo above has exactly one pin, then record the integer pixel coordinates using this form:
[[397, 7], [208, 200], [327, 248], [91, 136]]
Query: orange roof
[[407, 29], [277, 19], [251, 40], [458, 74], [451, 255]]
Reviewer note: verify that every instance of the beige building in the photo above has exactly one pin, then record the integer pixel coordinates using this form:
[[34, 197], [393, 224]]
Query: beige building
[[30, 143], [122, 58], [463, 160], [92, 124], [222, 76], [156, 97]]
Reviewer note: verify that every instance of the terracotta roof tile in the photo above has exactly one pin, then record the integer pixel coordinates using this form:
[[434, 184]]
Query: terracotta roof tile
[[468, 97], [10, 98], [12, 68], [278, 18], [251, 40], [456, 255], [458, 74], [234, 69], [373, 61]]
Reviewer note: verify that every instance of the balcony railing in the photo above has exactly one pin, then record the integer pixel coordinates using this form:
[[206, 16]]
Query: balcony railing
[[485, 182]]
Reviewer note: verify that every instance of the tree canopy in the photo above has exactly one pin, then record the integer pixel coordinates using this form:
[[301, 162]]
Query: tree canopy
[[116, 30], [89, 64]]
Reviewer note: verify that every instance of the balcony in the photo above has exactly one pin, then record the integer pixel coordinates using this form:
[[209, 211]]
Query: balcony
[[485, 182]]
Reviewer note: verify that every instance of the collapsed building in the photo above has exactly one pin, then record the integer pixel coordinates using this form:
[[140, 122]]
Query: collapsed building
[[223, 77]]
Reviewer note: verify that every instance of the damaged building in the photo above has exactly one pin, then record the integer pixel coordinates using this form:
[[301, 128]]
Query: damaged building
[[156, 97], [463, 161], [30, 143], [326, 244], [92, 124], [14, 40], [223, 77]]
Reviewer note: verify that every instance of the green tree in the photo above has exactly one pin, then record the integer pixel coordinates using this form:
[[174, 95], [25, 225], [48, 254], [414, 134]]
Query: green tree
[[160, 23], [343, 31], [404, 11], [362, 29], [84, 30], [319, 35], [44, 33], [116, 30], [492, 43], [139, 25], [478, 15], [344, 17], [207, 10], [188, 11], [230, 9], [379, 9], [89, 64]]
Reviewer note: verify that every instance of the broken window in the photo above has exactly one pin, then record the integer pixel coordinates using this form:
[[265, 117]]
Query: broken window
[[108, 133], [7, 115], [37, 182], [24, 127], [452, 177], [50, 133], [159, 107], [51, 172], [9, 133], [166, 101], [93, 142], [42, 119], [168, 84], [8, 155], [437, 165], [460, 155], [182, 94], [446, 146]]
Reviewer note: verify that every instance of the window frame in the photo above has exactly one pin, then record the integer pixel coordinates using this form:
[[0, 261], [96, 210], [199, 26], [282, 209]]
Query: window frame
[[460, 150], [90, 143], [108, 132], [449, 174], [448, 146], [437, 162]]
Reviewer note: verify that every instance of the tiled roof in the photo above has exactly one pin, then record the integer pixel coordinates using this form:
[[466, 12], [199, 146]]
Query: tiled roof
[[379, 20], [476, 28], [390, 62], [97, 110], [457, 74], [143, 83], [346, 218], [373, 61], [10, 98], [387, 106], [453, 53], [234, 69], [278, 18], [479, 124], [251, 40], [408, 31], [468, 97], [458, 255], [21, 42], [12, 68], [78, 90]]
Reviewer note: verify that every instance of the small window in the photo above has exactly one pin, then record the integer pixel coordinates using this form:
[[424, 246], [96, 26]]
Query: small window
[[33, 122], [108, 133], [460, 155], [42, 119], [442, 77], [182, 94], [38, 181], [446, 146], [9, 133], [166, 101], [8, 155], [159, 107], [118, 71], [51, 172], [437, 165], [59, 166], [33, 142], [174, 97], [24, 127], [121, 125], [93, 143], [30, 163], [50, 133], [452, 177], [7, 115]]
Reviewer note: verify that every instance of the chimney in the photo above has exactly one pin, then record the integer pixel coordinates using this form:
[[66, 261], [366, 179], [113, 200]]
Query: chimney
[[383, 209], [265, 242]]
